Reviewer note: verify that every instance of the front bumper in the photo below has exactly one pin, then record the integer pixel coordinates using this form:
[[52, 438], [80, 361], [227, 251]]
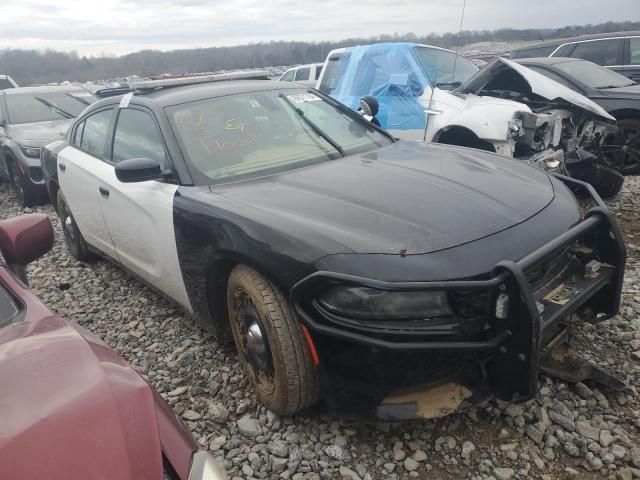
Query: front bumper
[[404, 375]]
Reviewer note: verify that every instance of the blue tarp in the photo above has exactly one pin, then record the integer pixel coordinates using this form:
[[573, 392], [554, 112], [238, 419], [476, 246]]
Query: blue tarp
[[391, 73]]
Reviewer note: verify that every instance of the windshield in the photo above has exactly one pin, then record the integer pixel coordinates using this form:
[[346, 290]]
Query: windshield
[[42, 107], [593, 75], [439, 66], [259, 133]]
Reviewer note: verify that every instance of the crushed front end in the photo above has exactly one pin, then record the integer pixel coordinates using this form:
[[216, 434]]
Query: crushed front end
[[482, 338]]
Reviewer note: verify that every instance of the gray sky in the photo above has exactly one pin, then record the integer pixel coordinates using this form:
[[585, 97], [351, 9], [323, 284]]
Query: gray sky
[[117, 27]]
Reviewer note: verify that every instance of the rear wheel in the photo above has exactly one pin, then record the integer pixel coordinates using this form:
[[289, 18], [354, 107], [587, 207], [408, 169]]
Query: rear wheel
[[26, 194], [627, 161], [270, 343], [76, 244]]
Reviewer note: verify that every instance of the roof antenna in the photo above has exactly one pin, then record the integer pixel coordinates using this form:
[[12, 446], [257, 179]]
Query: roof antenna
[[455, 59], [429, 110]]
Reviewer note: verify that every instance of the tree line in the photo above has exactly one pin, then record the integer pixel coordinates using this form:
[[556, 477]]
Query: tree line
[[43, 66]]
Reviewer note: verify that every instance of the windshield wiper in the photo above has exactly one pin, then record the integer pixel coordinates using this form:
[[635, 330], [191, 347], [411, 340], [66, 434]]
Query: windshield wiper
[[62, 112], [313, 126], [81, 100], [451, 84]]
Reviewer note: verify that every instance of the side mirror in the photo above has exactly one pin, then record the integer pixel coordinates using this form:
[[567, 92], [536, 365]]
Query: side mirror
[[369, 105], [139, 170], [23, 239]]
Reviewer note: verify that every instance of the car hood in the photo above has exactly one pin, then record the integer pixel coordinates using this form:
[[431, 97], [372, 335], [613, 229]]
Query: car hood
[[537, 83], [410, 196], [71, 407], [630, 92], [38, 134]]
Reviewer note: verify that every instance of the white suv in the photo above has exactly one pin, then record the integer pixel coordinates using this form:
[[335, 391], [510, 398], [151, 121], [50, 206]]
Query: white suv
[[306, 74]]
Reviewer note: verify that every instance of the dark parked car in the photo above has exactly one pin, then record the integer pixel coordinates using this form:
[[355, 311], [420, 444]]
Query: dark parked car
[[31, 117], [618, 51], [617, 94], [346, 265], [72, 407]]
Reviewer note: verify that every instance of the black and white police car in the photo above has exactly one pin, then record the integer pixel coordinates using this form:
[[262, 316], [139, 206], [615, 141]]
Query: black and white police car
[[345, 264]]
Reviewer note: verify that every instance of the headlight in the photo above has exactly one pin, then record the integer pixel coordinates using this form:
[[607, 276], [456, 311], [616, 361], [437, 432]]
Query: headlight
[[372, 304], [33, 152], [204, 467]]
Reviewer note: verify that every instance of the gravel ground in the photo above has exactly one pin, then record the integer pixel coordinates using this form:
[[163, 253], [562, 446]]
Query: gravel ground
[[567, 431]]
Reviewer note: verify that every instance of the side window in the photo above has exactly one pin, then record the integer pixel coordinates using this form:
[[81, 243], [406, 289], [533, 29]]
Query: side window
[[94, 133], [602, 52], [288, 76], [634, 51], [303, 74], [9, 309], [137, 136], [318, 71]]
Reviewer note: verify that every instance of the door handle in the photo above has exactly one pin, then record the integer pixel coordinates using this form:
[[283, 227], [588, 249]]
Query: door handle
[[104, 192], [62, 167]]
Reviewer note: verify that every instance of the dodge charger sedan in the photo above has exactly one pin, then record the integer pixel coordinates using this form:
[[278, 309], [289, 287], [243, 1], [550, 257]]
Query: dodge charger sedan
[[389, 278], [71, 407]]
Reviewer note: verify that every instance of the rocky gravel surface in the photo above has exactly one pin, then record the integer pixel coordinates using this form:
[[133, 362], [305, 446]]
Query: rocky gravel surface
[[568, 431]]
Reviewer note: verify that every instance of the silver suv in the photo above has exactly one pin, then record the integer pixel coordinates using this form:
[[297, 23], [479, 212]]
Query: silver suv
[[31, 117]]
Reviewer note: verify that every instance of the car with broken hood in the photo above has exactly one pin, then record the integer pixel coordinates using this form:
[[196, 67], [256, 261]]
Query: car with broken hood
[[505, 108], [617, 94], [375, 274], [71, 406], [31, 117]]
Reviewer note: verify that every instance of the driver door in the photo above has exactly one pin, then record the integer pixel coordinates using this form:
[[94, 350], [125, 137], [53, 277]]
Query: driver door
[[139, 216]]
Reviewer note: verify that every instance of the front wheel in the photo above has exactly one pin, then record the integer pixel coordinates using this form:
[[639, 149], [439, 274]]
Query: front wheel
[[25, 191], [270, 343], [76, 243], [606, 181], [627, 160]]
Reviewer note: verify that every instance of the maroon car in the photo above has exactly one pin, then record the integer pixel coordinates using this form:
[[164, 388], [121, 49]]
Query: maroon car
[[71, 407]]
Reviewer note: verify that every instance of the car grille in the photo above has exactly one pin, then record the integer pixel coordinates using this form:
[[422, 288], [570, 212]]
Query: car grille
[[544, 271]]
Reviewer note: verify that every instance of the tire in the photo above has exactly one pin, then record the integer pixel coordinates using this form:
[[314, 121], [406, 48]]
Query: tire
[[606, 181], [627, 162], [76, 243], [26, 193], [284, 375]]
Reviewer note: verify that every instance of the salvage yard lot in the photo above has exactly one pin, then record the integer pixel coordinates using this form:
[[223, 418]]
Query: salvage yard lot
[[562, 433]]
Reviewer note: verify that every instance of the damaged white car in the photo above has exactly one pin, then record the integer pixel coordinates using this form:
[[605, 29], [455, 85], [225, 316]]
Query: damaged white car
[[505, 108]]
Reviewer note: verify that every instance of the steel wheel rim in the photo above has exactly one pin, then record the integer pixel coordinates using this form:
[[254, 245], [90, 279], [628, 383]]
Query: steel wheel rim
[[253, 341]]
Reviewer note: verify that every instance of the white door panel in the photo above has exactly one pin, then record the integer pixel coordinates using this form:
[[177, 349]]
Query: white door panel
[[79, 177], [139, 217]]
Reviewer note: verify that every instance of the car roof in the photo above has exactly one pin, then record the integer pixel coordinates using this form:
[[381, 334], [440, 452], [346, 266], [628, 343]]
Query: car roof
[[547, 60], [43, 89], [580, 38], [390, 45], [165, 97]]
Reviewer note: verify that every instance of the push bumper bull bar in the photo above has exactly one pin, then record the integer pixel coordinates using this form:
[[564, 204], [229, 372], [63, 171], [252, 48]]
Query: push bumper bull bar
[[513, 364]]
